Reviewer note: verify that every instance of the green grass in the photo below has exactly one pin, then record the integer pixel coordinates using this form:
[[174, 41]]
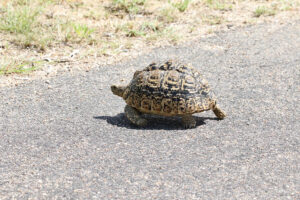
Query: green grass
[[168, 15], [212, 20], [165, 33], [109, 48], [20, 68], [70, 31], [22, 22], [151, 26], [151, 31], [135, 33], [222, 6], [181, 6], [22, 19], [217, 5], [19, 20], [129, 6], [82, 31], [129, 29], [262, 10], [139, 30]]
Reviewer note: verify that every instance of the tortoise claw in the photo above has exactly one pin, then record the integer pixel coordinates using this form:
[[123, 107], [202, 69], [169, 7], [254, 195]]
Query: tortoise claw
[[188, 121]]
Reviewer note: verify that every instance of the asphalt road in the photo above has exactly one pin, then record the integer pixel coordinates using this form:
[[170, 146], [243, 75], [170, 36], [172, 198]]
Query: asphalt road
[[69, 139]]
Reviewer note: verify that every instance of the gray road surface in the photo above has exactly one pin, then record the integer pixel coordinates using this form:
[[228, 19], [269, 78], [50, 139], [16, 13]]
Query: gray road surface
[[69, 139]]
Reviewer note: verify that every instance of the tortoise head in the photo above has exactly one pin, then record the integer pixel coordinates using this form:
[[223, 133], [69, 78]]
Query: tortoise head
[[118, 90]]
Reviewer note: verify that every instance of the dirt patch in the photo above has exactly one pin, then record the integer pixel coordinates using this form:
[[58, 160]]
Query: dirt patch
[[40, 39]]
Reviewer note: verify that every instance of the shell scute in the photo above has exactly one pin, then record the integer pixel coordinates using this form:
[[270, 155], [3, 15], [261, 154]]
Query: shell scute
[[156, 104], [146, 103], [167, 105], [153, 79]]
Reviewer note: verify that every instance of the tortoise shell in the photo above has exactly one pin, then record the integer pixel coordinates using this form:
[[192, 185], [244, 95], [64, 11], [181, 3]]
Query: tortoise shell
[[169, 88]]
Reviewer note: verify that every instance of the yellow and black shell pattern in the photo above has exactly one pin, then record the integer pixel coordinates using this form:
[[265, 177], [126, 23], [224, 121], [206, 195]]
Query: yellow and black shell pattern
[[170, 88]]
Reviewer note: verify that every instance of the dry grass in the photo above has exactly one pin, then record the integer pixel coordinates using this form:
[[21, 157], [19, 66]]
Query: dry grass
[[108, 30]]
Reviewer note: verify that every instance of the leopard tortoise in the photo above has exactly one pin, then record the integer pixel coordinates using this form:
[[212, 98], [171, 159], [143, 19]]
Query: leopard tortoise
[[170, 88]]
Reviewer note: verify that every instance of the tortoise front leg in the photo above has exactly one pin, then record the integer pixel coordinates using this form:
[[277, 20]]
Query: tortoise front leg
[[188, 121], [134, 116]]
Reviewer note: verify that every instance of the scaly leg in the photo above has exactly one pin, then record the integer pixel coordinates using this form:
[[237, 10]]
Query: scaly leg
[[134, 116], [188, 121], [218, 112]]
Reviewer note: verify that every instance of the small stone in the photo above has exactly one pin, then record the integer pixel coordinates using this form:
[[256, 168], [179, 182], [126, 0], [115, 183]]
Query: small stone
[[229, 26]]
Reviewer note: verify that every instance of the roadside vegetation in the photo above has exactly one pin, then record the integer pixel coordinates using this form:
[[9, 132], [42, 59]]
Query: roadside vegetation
[[32, 32]]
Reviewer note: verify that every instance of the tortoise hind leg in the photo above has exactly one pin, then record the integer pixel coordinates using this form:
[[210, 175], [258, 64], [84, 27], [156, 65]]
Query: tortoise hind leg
[[188, 121], [134, 116], [218, 112]]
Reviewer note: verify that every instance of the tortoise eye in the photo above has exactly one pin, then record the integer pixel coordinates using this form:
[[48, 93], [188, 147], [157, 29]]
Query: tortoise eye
[[136, 73]]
